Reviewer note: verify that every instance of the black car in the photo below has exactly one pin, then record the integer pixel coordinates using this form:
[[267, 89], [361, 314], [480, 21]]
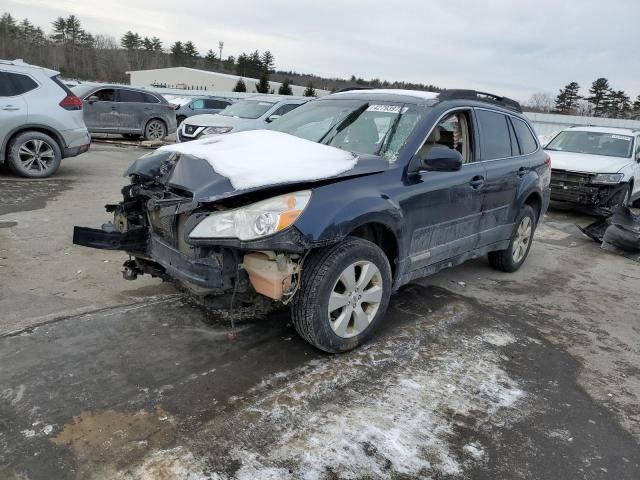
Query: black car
[[339, 204]]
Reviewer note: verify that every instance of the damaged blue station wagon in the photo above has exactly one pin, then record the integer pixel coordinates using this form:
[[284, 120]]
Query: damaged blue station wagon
[[337, 205]]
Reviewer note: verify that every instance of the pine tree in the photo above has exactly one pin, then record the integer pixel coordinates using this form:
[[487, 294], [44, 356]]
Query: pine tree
[[310, 91], [285, 88], [177, 53], [240, 86], [190, 53], [567, 99], [619, 104], [263, 85], [59, 30], [229, 64], [636, 108], [268, 62], [131, 41], [599, 96], [210, 60]]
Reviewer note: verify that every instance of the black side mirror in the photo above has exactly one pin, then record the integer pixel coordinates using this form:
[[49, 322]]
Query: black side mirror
[[442, 159], [93, 99], [272, 118]]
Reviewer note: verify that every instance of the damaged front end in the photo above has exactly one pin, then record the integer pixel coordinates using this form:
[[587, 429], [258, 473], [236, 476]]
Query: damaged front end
[[155, 225], [584, 189]]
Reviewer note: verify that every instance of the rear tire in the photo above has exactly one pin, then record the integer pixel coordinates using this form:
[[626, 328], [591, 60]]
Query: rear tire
[[344, 292], [512, 258], [180, 119], [155, 129], [34, 155]]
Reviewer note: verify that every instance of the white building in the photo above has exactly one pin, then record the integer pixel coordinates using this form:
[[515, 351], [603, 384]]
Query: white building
[[184, 78]]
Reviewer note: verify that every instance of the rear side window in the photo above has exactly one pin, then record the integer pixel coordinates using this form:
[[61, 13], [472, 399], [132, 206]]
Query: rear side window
[[286, 108], [210, 103], [130, 96], [526, 139], [148, 98], [12, 84], [495, 140]]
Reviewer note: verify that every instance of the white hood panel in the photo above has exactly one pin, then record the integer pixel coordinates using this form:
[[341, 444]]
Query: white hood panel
[[581, 162]]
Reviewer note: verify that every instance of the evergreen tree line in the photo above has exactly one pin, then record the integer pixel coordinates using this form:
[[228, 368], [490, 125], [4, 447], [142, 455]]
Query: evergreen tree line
[[76, 53], [601, 101]]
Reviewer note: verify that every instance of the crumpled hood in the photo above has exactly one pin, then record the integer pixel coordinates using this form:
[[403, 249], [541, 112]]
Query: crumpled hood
[[580, 162], [239, 163]]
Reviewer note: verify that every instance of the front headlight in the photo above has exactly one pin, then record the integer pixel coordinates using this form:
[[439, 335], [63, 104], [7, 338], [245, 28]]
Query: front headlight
[[216, 130], [607, 178], [255, 220]]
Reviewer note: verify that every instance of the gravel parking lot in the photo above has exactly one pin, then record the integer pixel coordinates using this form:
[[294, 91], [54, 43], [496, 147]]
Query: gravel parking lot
[[475, 373]]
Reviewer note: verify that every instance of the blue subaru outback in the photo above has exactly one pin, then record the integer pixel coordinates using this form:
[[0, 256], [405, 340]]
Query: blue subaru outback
[[336, 205]]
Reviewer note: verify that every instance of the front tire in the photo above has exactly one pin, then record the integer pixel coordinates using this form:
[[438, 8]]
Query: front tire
[[344, 292], [512, 258], [34, 155]]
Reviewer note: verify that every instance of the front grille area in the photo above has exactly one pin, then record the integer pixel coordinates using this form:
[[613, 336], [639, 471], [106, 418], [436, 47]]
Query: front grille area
[[576, 188]]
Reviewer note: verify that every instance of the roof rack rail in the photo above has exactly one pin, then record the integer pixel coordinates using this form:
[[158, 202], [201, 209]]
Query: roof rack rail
[[347, 89], [481, 97]]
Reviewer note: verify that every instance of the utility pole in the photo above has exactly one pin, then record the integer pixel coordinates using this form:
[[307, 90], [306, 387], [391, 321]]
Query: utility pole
[[220, 45]]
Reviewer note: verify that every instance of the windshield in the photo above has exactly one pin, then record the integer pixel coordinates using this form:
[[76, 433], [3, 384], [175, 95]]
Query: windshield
[[247, 109], [379, 128], [592, 143]]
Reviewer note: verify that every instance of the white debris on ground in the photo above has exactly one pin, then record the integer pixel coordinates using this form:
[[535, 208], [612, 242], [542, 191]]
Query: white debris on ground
[[497, 338], [323, 419], [265, 157], [177, 463]]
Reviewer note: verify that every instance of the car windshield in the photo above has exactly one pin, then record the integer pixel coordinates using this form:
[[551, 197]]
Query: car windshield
[[592, 143], [373, 127], [247, 109]]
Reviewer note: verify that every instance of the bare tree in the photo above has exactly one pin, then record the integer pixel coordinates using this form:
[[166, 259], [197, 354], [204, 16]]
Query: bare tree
[[541, 102]]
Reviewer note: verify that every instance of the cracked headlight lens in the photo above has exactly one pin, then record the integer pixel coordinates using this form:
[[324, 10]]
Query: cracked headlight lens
[[607, 178], [216, 130], [256, 220]]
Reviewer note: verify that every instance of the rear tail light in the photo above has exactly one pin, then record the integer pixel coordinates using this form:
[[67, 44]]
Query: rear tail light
[[174, 106], [547, 160], [71, 102], [170, 106]]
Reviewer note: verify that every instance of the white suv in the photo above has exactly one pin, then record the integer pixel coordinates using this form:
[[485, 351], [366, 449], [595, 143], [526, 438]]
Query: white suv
[[595, 166], [40, 120]]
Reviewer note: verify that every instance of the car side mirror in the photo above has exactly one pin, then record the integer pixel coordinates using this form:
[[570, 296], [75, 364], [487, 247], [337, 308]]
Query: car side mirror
[[93, 99], [442, 159], [273, 117]]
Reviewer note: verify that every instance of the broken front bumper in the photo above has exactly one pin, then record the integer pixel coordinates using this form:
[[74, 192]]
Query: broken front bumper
[[203, 272], [576, 188]]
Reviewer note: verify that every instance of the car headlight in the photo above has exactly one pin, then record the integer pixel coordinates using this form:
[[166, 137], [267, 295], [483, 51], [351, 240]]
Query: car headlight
[[607, 178], [216, 130], [254, 221]]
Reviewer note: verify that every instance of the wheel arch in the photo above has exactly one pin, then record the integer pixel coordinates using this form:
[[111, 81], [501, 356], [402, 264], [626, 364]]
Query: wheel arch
[[534, 200], [53, 133], [383, 237]]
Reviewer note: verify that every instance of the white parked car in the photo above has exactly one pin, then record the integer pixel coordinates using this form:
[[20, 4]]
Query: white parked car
[[595, 166], [40, 120], [251, 113]]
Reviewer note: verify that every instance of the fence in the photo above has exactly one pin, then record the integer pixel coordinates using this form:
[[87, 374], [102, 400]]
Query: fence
[[548, 124]]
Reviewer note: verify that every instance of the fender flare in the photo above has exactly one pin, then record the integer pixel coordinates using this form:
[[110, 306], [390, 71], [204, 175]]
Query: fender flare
[[57, 136]]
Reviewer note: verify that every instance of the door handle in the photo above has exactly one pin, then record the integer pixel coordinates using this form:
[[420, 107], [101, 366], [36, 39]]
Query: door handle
[[522, 171], [477, 181], [114, 108], [10, 108]]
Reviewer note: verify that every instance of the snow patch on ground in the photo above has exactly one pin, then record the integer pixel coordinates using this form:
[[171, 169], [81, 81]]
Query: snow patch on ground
[[323, 420], [177, 463], [499, 339], [264, 157]]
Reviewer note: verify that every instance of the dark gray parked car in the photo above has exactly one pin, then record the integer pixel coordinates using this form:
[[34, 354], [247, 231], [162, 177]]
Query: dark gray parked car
[[128, 111], [188, 107]]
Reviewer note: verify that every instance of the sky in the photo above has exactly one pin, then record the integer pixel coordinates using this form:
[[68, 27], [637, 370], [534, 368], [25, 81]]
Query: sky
[[507, 47]]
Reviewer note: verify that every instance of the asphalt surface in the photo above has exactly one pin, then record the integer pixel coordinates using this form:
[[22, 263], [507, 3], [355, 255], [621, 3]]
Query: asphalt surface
[[473, 374]]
